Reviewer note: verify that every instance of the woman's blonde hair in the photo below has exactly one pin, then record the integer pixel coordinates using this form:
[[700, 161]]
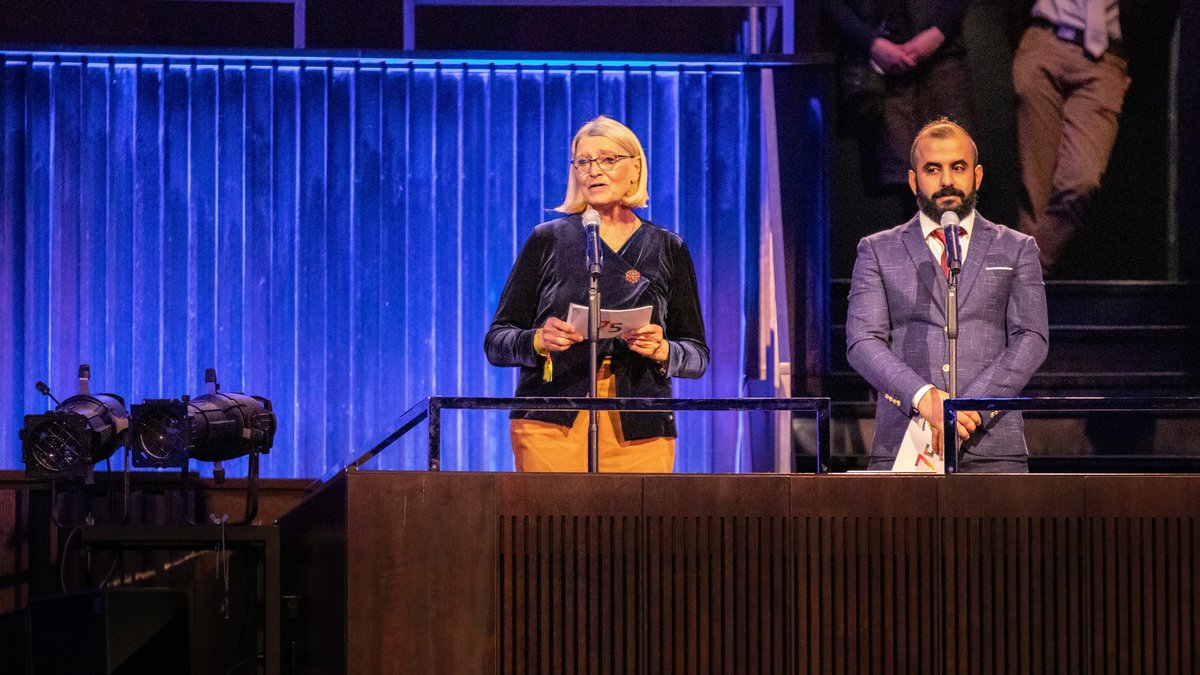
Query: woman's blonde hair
[[630, 145]]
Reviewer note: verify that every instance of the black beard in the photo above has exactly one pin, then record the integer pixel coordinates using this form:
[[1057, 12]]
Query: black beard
[[929, 207]]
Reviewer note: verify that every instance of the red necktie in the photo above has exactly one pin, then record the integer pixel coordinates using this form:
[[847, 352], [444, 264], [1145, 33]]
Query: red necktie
[[940, 235]]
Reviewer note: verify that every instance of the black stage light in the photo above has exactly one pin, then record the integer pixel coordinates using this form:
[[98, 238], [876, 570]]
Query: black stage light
[[212, 427], [78, 433], [228, 426], [160, 433]]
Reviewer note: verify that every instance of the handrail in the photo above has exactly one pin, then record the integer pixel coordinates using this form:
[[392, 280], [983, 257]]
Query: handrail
[[430, 408], [787, 9], [1056, 403]]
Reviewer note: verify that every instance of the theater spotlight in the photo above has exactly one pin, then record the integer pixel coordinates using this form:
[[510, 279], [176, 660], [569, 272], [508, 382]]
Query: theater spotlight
[[160, 433], [78, 433], [212, 427]]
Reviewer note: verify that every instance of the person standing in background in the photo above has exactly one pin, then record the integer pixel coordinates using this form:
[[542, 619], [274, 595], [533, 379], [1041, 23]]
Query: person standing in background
[[902, 63], [1070, 75]]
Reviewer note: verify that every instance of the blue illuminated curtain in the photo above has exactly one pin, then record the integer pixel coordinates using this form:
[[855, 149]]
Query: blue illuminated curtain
[[334, 234]]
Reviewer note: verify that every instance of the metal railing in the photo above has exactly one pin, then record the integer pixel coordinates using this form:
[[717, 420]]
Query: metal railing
[[1056, 404], [787, 8], [430, 408]]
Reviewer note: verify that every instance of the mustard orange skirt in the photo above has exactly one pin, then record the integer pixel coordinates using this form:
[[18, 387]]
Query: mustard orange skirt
[[542, 446]]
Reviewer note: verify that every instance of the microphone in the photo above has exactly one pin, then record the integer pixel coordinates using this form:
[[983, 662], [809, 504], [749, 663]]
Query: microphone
[[45, 391], [591, 226], [953, 249]]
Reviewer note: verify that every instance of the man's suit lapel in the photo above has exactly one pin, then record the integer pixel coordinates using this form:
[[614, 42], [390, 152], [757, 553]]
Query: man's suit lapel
[[982, 235], [929, 273]]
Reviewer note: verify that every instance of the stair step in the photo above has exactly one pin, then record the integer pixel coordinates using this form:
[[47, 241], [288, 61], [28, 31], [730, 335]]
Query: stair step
[[1131, 349], [1175, 464], [1122, 303], [1106, 338], [1063, 440], [848, 387], [1115, 464], [1093, 303]]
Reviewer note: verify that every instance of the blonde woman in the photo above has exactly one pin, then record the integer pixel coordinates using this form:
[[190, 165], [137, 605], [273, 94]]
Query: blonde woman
[[643, 265]]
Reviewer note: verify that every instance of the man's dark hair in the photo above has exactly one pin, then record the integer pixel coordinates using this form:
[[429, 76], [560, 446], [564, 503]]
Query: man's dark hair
[[942, 127]]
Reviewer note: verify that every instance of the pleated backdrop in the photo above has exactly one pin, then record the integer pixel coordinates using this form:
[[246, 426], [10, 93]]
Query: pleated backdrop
[[334, 233]]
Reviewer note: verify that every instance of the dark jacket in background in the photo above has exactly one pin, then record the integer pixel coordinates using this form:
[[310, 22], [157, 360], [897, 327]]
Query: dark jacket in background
[[859, 22]]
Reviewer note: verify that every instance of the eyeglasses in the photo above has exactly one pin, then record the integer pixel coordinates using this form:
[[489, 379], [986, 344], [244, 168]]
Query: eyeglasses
[[605, 163]]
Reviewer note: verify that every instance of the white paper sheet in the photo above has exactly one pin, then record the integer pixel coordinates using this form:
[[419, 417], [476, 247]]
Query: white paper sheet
[[613, 322], [917, 454]]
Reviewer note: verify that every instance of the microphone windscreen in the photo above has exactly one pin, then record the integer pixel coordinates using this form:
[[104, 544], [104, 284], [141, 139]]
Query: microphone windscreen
[[591, 217], [949, 219]]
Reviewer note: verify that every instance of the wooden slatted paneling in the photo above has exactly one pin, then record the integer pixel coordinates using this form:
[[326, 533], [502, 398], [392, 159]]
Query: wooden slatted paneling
[[866, 579], [769, 574], [1015, 559], [1144, 571], [570, 584], [717, 584]]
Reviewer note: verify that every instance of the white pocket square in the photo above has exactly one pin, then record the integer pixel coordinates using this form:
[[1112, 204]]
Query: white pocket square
[[997, 268]]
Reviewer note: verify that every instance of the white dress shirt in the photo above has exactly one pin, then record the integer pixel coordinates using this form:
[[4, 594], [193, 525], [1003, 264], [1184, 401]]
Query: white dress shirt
[[928, 225]]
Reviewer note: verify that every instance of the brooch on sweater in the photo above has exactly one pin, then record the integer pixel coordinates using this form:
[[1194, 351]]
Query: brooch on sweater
[[632, 276]]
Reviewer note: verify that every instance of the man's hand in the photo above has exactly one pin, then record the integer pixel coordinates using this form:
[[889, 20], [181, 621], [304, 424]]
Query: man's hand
[[923, 44], [930, 408], [938, 443], [890, 57]]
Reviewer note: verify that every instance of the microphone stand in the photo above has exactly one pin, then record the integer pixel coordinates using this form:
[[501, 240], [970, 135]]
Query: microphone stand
[[951, 463], [593, 345], [595, 262]]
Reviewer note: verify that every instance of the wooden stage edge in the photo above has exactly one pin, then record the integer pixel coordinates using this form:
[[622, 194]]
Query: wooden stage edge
[[415, 572]]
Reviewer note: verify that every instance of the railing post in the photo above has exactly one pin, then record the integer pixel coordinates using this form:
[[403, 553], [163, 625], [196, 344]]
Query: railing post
[[435, 433], [950, 435], [824, 444]]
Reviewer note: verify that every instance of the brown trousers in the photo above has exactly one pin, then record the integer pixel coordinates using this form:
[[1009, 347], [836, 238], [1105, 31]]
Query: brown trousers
[[1067, 109]]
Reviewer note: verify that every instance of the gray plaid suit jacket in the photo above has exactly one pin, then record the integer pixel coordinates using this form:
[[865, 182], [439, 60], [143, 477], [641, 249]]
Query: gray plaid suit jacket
[[895, 335]]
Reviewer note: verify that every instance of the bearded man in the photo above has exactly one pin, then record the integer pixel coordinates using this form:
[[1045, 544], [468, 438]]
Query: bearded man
[[896, 324]]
